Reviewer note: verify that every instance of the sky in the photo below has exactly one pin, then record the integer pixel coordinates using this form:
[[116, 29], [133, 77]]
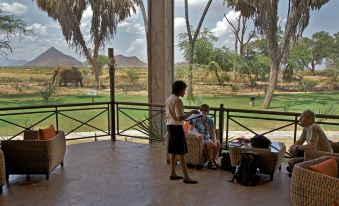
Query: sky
[[130, 38]]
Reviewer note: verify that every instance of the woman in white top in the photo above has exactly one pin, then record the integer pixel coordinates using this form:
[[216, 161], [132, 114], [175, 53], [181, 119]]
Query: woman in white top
[[176, 136]]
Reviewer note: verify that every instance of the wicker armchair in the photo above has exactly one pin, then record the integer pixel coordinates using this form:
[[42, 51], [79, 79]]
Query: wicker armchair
[[34, 156], [2, 170], [197, 152], [310, 188], [335, 146], [312, 154]]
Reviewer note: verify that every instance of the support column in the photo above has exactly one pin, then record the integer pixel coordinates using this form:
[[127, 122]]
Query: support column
[[161, 48]]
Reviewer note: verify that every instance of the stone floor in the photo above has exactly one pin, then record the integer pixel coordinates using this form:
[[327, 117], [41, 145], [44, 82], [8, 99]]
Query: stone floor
[[125, 173]]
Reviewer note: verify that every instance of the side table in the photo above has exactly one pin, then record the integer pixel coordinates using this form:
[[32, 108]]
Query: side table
[[269, 159]]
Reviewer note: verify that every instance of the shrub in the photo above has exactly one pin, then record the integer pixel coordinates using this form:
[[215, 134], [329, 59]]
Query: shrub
[[47, 92], [235, 88], [132, 75], [332, 74], [308, 85], [224, 77]]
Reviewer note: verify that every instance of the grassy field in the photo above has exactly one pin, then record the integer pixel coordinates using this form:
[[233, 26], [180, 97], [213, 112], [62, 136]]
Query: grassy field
[[20, 87], [282, 102]]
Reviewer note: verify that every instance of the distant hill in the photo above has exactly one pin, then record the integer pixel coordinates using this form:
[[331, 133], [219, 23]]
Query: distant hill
[[11, 62], [52, 58], [181, 64], [124, 62]]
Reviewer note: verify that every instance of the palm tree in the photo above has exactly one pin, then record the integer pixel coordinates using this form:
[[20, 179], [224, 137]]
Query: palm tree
[[265, 16], [107, 14]]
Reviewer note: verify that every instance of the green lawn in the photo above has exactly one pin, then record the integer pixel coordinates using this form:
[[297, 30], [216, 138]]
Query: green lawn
[[281, 102]]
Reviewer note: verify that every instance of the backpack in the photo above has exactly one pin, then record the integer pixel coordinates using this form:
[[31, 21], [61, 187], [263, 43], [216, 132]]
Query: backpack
[[245, 173], [260, 141], [226, 161]]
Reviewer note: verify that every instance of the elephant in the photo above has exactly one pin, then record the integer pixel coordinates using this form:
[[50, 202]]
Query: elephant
[[66, 75]]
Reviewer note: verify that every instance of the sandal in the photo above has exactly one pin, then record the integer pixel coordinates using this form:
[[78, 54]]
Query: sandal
[[211, 166], [190, 181], [217, 165], [176, 177]]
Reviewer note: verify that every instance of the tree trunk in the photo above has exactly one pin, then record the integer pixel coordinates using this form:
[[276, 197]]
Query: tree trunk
[[218, 77], [312, 68], [190, 76], [144, 15], [271, 86], [191, 41], [96, 73], [235, 57]]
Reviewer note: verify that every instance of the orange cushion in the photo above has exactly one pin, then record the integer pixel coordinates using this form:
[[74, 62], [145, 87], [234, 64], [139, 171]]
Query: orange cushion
[[186, 126], [328, 167], [48, 133], [335, 203]]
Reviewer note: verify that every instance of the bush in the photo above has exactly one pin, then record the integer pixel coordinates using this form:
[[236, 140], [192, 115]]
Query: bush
[[47, 92], [235, 88], [308, 85], [224, 77], [332, 74], [132, 75]]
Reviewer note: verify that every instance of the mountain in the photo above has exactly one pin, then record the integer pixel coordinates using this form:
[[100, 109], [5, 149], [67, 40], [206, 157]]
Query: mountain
[[11, 62], [52, 58], [124, 62]]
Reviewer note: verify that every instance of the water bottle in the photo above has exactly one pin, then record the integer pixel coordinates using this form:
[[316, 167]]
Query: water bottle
[[236, 169], [257, 172]]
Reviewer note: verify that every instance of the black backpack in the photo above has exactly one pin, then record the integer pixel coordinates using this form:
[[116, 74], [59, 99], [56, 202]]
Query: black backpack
[[260, 141], [245, 172], [226, 161]]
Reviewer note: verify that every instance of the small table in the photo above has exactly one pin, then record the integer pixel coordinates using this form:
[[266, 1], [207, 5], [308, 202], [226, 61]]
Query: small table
[[269, 159]]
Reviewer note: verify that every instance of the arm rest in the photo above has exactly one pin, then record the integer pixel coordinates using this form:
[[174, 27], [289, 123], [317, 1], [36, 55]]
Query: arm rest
[[57, 149], [313, 154]]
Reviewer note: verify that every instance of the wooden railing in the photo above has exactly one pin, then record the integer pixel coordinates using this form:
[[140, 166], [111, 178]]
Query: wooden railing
[[141, 120]]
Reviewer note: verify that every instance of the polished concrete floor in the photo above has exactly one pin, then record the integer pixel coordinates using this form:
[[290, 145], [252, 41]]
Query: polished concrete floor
[[125, 173]]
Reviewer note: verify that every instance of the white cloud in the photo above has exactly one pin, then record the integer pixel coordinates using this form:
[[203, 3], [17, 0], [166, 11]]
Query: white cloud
[[199, 4], [179, 24], [136, 28], [88, 13], [223, 29], [194, 3], [130, 20], [136, 46], [15, 7], [38, 28]]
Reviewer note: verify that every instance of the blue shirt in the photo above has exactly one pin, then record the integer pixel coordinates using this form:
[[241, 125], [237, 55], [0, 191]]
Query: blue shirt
[[203, 128]]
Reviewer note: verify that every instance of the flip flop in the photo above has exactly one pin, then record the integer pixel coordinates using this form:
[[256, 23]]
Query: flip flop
[[176, 177], [211, 166], [190, 181]]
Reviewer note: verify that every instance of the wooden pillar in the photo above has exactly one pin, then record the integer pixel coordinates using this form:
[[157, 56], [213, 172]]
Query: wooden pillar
[[161, 57], [111, 64], [161, 48]]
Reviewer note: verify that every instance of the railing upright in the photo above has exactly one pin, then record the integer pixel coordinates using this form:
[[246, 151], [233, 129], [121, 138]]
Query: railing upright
[[227, 127], [118, 125], [56, 118], [221, 124], [161, 123], [295, 128], [108, 119]]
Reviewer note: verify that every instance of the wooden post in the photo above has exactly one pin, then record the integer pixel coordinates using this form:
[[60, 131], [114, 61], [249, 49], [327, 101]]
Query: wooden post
[[111, 64], [221, 126]]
